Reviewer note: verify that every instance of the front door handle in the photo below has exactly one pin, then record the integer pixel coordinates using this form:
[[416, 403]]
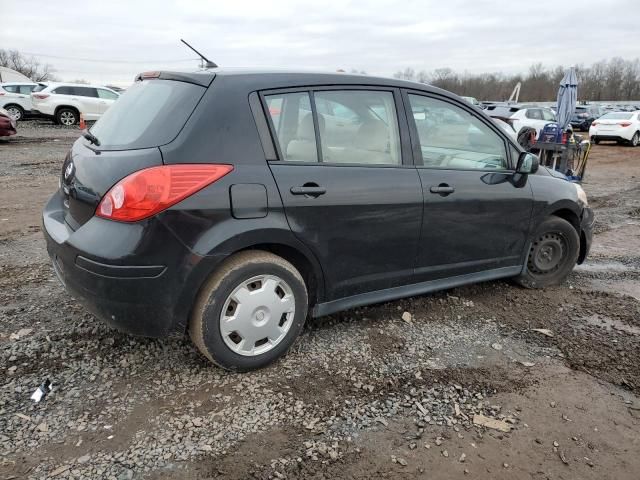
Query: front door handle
[[443, 189], [309, 189]]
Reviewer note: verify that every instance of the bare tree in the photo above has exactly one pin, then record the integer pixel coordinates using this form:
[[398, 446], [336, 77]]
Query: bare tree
[[615, 79], [28, 66]]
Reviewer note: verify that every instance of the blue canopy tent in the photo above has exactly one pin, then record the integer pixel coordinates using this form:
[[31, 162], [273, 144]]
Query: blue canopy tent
[[567, 98]]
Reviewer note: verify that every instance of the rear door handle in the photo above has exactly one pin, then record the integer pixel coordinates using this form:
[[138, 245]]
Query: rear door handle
[[309, 189], [442, 189]]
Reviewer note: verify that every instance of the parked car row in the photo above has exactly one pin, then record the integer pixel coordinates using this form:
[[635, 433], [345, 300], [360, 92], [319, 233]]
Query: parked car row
[[62, 102]]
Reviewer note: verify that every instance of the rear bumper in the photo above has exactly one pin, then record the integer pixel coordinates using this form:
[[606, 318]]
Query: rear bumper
[[611, 137], [131, 276]]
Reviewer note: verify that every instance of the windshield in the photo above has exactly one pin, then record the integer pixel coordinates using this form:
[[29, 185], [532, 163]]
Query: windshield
[[149, 114], [617, 116]]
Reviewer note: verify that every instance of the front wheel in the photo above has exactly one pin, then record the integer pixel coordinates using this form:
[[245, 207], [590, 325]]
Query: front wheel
[[15, 111], [67, 116], [553, 254], [250, 311]]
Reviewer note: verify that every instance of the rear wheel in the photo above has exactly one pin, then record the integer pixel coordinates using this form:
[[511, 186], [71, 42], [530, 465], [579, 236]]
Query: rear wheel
[[67, 116], [15, 111], [553, 254], [596, 140], [635, 140], [250, 311]]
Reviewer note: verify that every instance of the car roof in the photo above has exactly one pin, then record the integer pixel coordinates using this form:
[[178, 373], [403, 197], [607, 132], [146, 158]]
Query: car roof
[[69, 84], [257, 79], [21, 83]]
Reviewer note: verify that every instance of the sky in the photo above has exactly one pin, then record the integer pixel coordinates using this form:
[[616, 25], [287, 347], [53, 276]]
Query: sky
[[110, 42]]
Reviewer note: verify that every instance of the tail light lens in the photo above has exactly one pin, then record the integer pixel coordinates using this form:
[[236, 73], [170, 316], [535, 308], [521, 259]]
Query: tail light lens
[[624, 124], [41, 96], [594, 124], [152, 190]]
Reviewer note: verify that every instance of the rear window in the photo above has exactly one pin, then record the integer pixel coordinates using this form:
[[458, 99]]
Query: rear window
[[39, 87], [149, 114], [617, 116]]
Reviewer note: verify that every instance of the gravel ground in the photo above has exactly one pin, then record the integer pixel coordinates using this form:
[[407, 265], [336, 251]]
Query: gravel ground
[[362, 394]]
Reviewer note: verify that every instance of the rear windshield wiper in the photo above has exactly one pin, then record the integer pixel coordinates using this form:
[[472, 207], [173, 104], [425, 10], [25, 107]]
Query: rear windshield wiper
[[91, 137]]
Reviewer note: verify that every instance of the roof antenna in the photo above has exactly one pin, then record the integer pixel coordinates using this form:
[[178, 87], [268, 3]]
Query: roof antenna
[[206, 63]]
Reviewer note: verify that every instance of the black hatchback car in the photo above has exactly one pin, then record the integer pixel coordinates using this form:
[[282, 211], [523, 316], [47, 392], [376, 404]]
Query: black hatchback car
[[233, 203]]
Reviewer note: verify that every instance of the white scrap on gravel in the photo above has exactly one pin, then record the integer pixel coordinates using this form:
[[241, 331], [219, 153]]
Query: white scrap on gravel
[[543, 331], [492, 423]]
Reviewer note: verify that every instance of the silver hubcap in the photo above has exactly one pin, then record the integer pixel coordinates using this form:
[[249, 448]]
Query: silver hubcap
[[14, 113], [67, 118], [257, 315]]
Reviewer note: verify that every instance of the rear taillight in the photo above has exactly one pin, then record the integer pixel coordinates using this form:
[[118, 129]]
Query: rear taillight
[[41, 96], [1, 94], [152, 190], [624, 124], [594, 124]]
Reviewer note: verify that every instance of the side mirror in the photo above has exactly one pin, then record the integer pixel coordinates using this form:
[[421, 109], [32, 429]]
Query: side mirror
[[527, 163]]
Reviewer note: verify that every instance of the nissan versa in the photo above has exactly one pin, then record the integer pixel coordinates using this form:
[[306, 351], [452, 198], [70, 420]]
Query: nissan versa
[[234, 203]]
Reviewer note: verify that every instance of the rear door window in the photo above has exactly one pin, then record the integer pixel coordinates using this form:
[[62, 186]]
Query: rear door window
[[361, 128], [11, 88], [64, 91], [85, 92], [149, 114], [292, 122]]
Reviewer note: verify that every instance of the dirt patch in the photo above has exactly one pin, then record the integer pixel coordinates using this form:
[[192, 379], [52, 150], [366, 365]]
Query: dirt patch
[[360, 395]]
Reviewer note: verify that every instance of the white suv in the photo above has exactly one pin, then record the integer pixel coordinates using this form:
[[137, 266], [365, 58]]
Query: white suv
[[523, 116], [15, 97], [64, 102]]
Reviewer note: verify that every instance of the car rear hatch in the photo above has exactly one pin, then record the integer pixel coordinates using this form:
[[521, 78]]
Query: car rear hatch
[[151, 113]]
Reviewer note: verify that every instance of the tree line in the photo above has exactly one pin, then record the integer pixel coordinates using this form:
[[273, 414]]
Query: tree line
[[27, 66], [616, 79]]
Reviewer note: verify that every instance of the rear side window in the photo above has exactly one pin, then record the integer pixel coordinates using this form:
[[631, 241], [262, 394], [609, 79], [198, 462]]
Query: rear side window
[[11, 88], [107, 94], [293, 124], [617, 116], [452, 138], [25, 89], [149, 114], [534, 114]]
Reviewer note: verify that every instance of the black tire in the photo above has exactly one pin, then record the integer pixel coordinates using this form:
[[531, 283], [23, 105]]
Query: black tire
[[596, 140], [67, 116], [552, 255], [635, 140], [204, 324], [16, 111]]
